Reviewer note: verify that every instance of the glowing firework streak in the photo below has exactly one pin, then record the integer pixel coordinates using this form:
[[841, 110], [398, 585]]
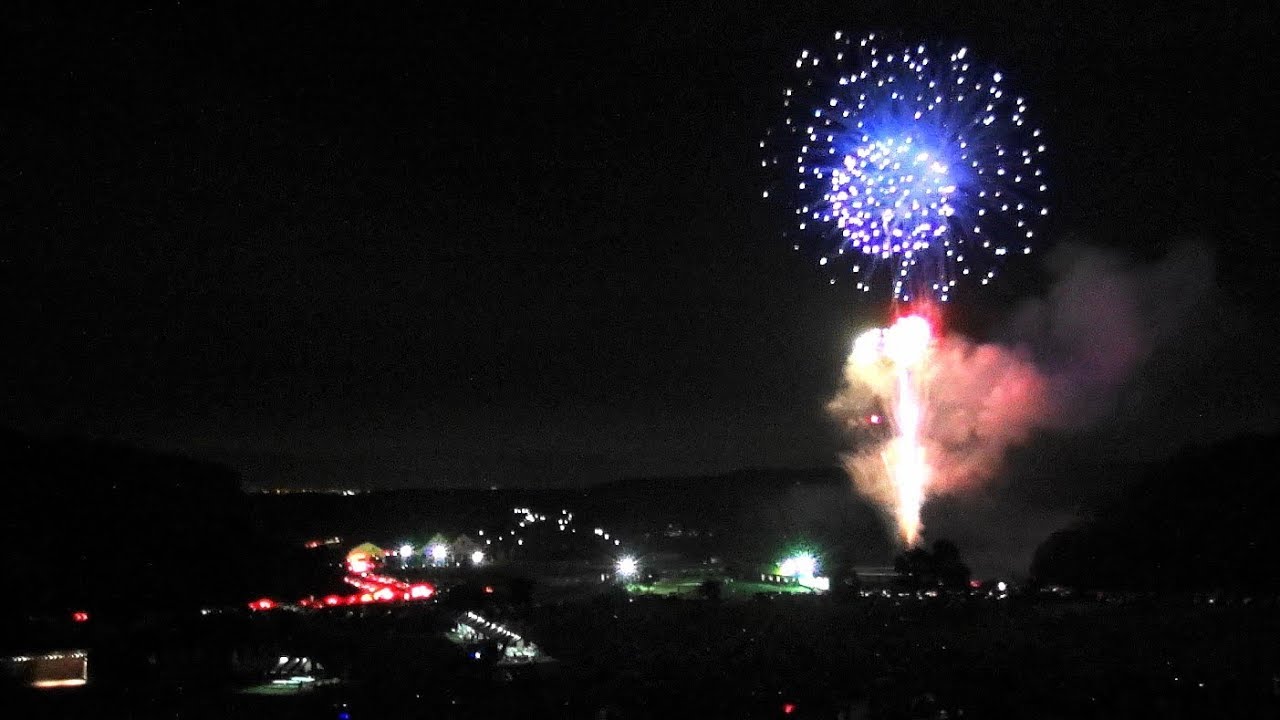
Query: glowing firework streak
[[894, 361]]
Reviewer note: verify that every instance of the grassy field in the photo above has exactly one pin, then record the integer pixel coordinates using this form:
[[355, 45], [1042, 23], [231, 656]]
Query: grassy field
[[730, 589]]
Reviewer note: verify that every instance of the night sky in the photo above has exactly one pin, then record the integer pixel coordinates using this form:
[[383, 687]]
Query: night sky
[[372, 247]]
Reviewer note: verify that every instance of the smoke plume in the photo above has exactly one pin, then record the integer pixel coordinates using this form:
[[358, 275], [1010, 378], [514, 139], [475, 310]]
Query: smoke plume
[[1058, 365]]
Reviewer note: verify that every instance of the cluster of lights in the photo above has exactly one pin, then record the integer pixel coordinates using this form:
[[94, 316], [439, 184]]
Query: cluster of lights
[[907, 159], [527, 518], [286, 663], [600, 532], [437, 553], [372, 589], [383, 588], [492, 627]]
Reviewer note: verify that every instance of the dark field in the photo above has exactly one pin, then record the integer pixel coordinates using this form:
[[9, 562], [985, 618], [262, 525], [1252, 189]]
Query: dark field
[[645, 657], [910, 658]]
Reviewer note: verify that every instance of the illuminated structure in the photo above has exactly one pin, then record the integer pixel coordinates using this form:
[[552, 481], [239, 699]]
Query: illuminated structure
[[59, 669], [802, 568], [803, 565], [471, 629], [365, 557]]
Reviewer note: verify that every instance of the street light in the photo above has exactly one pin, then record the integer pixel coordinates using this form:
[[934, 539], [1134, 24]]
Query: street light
[[439, 553], [627, 567]]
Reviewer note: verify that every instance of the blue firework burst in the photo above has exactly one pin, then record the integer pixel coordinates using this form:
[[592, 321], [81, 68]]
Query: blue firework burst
[[907, 163]]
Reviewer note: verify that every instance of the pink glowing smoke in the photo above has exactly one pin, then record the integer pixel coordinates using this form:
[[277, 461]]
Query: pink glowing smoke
[[1068, 354]]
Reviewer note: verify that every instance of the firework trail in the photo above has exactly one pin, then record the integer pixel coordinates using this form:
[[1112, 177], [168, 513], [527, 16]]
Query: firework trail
[[891, 364], [908, 162]]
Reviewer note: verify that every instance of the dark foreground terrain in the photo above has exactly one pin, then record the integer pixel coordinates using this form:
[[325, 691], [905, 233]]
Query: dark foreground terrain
[[641, 657], [162, 554], [909, 658]]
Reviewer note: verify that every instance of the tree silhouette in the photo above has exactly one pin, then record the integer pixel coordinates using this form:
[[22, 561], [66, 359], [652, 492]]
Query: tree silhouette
[[920, 569]]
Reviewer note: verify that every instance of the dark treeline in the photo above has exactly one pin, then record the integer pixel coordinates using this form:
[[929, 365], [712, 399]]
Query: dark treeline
[[1203, 520], [95, 524]]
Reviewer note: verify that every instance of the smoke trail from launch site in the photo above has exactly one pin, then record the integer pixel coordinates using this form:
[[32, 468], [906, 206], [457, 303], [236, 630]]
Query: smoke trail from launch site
[[931, 412]]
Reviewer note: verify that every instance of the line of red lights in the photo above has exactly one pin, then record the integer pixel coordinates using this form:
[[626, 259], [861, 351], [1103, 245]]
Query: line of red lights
[[374, 588]]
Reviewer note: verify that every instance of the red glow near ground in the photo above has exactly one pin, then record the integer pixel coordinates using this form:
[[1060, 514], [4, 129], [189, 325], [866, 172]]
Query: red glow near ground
[[371, 588]]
